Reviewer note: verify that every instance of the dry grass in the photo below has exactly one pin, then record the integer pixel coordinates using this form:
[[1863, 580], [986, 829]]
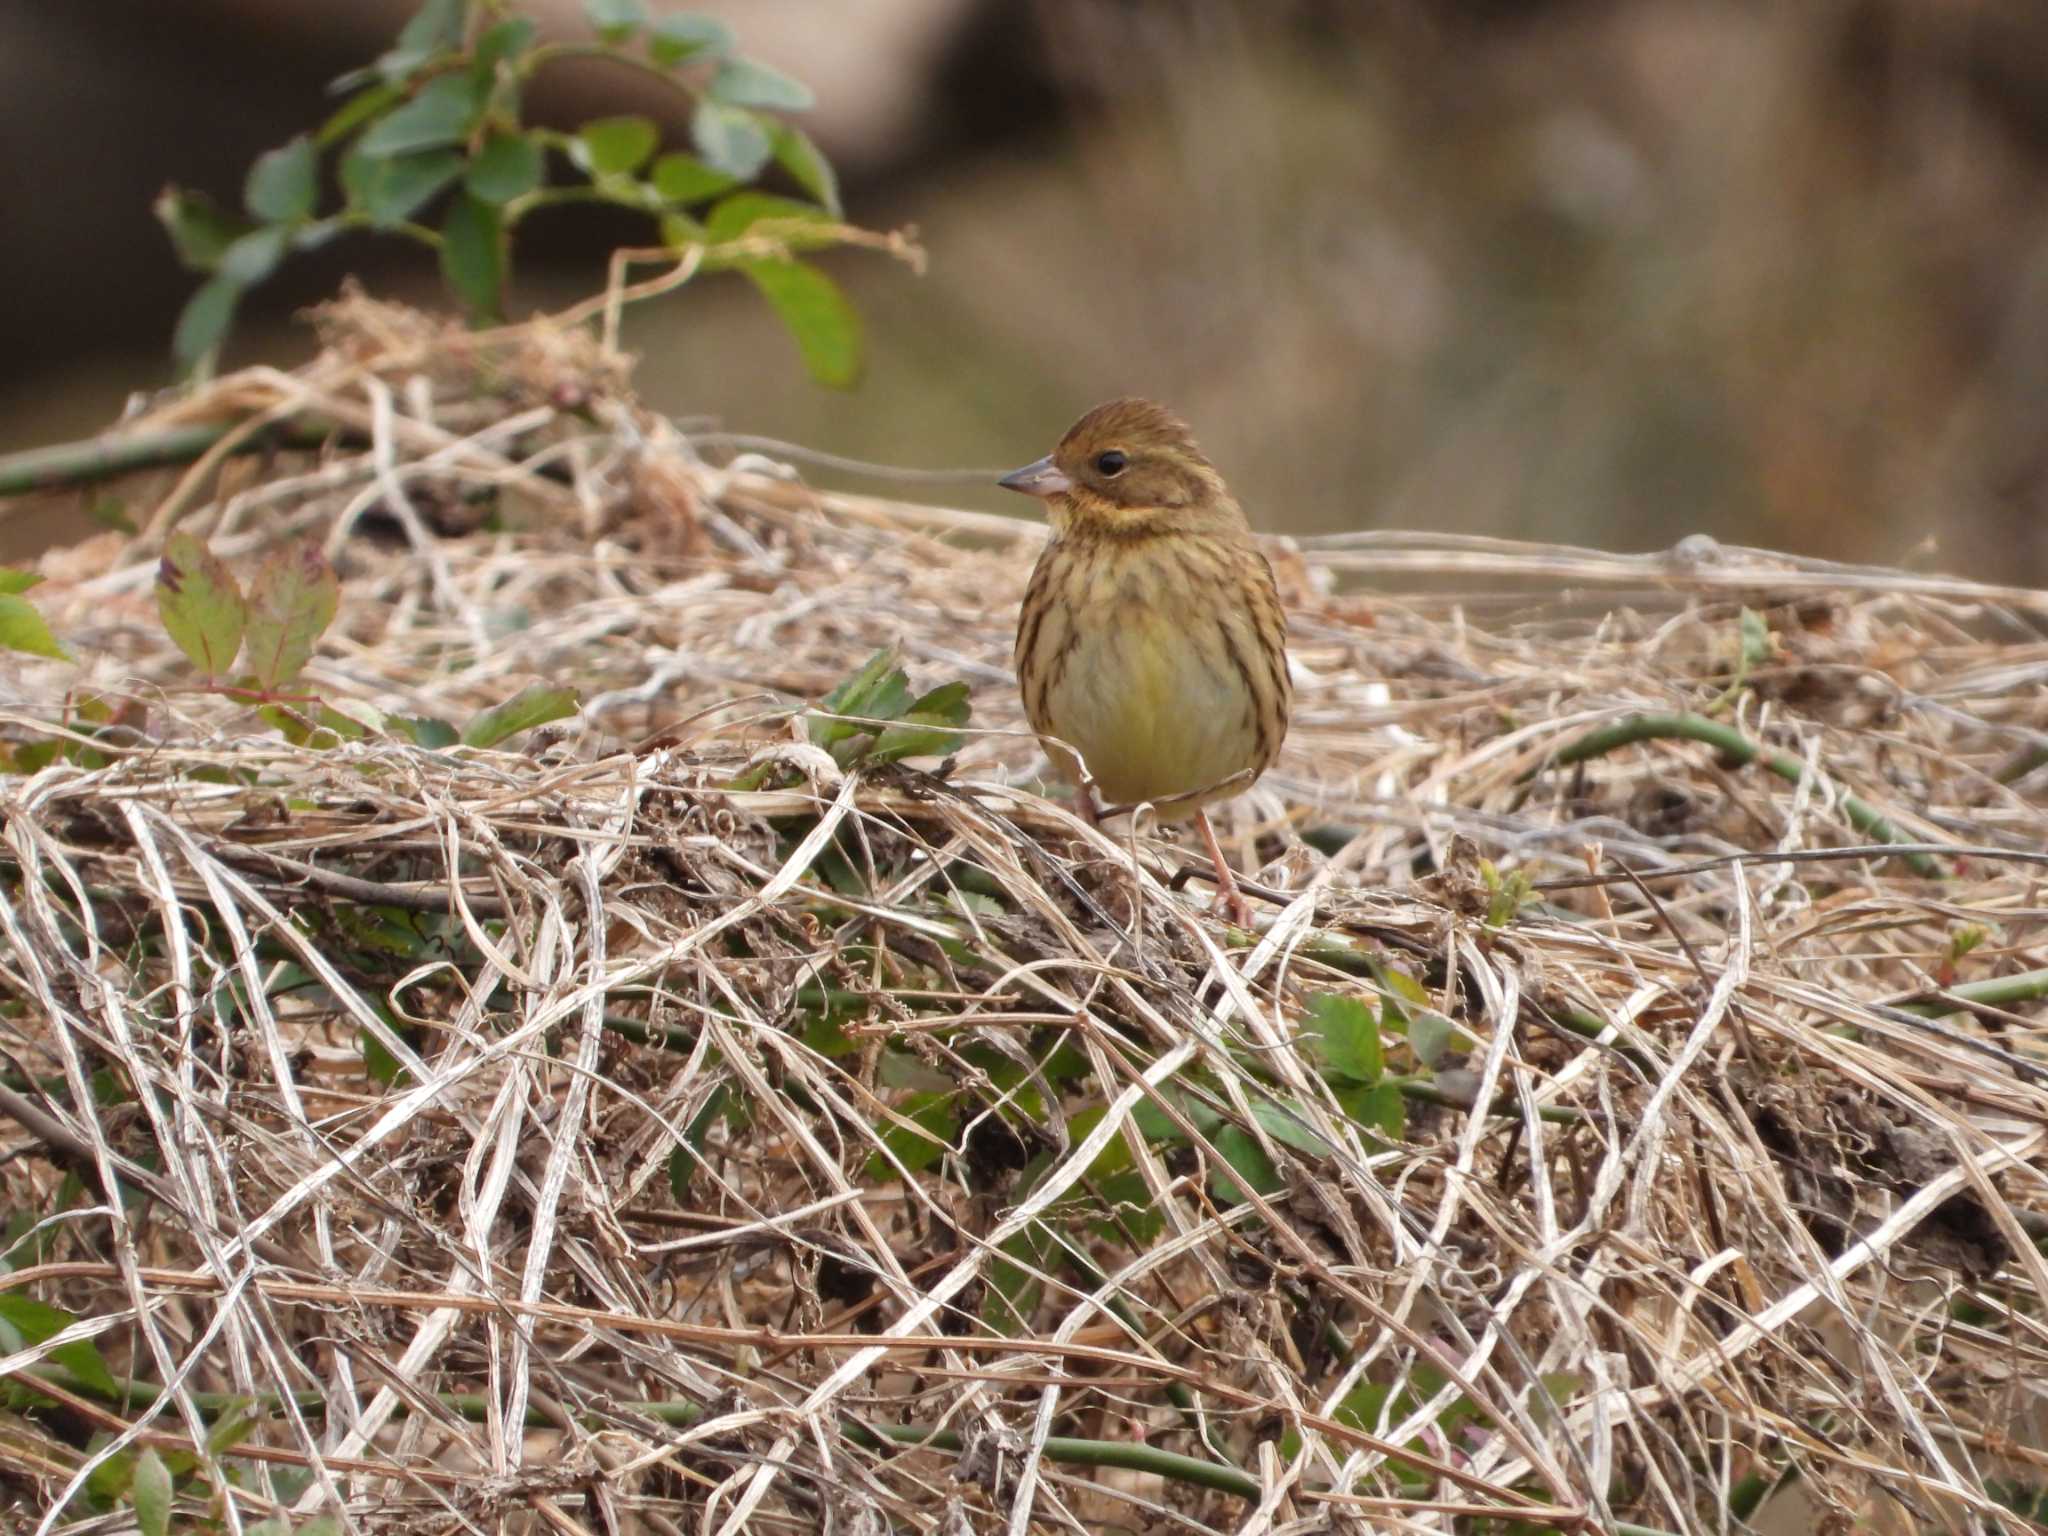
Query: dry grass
[[1730, 1170]]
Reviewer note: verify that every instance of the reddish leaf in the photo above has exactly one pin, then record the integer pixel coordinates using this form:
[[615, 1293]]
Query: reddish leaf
[[291, 603], [200, 604]]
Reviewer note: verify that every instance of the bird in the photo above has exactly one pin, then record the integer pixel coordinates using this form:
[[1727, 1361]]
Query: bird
[[1151, 644]]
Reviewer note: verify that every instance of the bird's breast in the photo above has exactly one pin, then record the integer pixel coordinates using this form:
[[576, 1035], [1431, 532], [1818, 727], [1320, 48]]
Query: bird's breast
[[1141, 657]]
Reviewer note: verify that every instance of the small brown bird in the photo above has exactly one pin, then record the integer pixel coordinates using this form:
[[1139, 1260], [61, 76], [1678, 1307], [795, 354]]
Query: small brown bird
[[1151, 640]]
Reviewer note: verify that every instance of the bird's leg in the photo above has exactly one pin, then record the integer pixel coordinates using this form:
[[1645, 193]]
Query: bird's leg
[[1084, 801], [1228, 897], [1084, 790]]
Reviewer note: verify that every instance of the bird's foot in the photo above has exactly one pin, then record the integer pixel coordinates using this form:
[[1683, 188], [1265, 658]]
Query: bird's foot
[[1229, 903], [1229, 899]]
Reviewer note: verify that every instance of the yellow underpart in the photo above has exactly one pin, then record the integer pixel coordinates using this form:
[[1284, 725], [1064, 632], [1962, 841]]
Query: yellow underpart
[[1149, 694]]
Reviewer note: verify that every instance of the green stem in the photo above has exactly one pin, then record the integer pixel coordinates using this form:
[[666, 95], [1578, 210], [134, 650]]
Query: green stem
[[120, 453], [1084, 1453], [1639, 728], [349, 220], [1425, 1091], [1176, 1391], [556, 197], [136, 1393], [1997, 992], [1354, 959]]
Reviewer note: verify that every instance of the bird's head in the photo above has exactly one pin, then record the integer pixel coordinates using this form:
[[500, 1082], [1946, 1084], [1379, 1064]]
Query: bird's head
[[1129, 466]]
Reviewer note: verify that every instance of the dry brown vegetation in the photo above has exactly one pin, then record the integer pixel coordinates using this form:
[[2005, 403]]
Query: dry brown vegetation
[[663, 1127]]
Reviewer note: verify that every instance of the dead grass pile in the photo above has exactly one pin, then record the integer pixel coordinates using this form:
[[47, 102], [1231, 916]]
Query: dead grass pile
[[1629, 1111]]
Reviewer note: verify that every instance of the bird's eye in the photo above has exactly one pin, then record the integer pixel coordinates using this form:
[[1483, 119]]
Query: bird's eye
[[1111, 463]]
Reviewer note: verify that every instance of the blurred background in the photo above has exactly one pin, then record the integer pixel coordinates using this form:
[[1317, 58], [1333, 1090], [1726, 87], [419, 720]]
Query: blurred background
[[1602, 272]]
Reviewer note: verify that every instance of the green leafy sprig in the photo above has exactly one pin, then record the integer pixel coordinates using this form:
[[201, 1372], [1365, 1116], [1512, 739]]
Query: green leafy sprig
[[432, 144]]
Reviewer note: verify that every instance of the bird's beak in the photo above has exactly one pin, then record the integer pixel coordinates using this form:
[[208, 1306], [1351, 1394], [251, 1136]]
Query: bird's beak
[[1043, 478]]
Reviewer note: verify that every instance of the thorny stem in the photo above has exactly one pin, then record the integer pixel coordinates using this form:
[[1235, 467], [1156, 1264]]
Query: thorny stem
[[132, 1393], [1639, 728], [137, 1393]]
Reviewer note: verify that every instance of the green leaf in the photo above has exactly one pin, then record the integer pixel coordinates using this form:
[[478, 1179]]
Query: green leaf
[[676, 38], [878, 691], [151, 1491], [616, 20], [731, 139], [1365, 1406], [817, 314], [1287, 1123], [356, 111], [1507, 893], [824, 1032], [232, 1428], [13, 581], [917, 736], [82, 1358], [379, 1061], [1014, 1288], [299, 729], [507, 40], [922, 1142], [255, 256], [473, 257], [509, 165], [434, 28], [205, 320], [34, 1321], [23, 629], [1433, 1038], [807, 165], [441, 114], [200, 230], [1249, 1166], [1348, 1036], [291, 603], [741, 213], [1404, 987], [613, 146], [948, 704], [533, 705], [391, 190], [1381, 1106], [284, 183], [110, 511], [854, 695], [33, 756], [201, 604], [745, 83], [423, 731], [685, 1159], [681, 178], [1757, 646], [353, 721], [1137, 1216], [1154, 1124], [927, 728], [388, 930]]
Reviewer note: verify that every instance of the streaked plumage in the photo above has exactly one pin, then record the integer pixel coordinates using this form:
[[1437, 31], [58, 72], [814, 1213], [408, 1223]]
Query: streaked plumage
[[1151, 640]]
